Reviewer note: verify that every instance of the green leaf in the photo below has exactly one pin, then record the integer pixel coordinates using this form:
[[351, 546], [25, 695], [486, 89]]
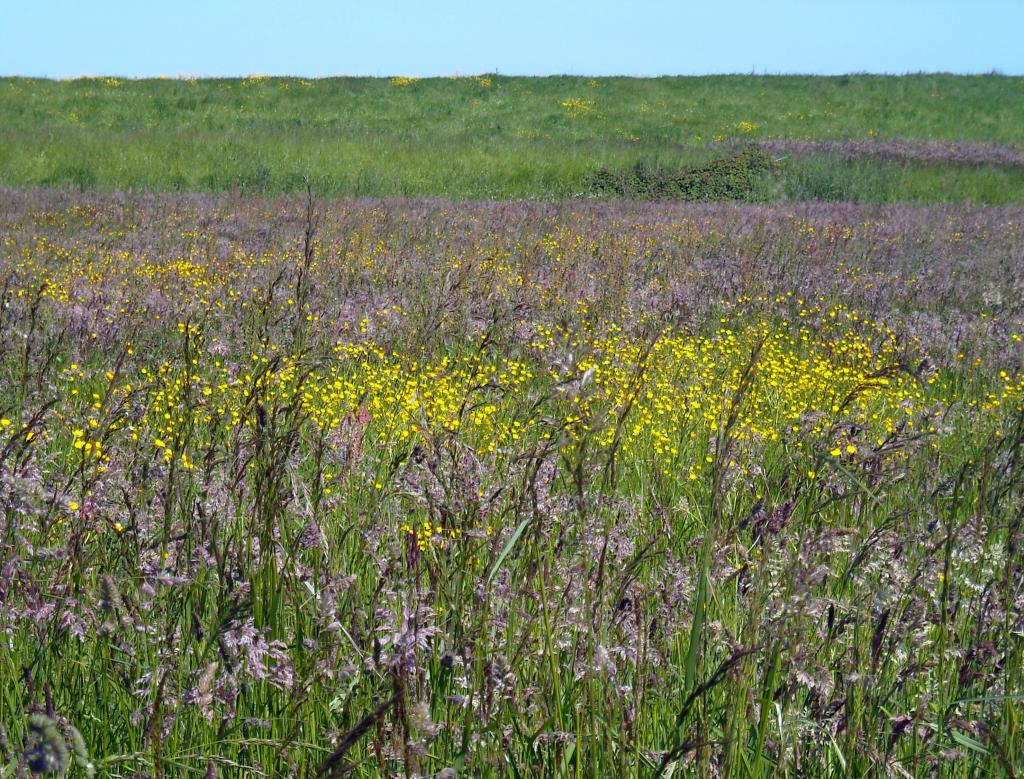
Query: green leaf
[[968, 742], [506, 549], [697, 628]]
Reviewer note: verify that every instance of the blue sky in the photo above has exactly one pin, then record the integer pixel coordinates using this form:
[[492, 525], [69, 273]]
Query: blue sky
[[63, 38]]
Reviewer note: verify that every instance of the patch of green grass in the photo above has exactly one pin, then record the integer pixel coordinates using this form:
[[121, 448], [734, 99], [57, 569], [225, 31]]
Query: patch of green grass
[[874, 181], [488, 137]]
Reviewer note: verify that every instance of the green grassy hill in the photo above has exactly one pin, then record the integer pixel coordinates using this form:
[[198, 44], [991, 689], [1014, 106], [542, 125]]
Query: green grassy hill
[[496, 137]]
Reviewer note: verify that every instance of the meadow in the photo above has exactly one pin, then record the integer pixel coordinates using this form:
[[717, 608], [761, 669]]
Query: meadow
[[307, 487], [942, 138]]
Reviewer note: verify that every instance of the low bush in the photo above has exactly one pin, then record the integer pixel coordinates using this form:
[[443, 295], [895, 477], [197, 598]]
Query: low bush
[[735, 177]]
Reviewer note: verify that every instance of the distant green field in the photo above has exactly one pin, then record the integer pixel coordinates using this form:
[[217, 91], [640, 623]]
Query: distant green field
[[498, 137]]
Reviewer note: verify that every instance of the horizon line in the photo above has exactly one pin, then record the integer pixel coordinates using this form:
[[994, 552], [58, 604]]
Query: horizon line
[[994, 72]]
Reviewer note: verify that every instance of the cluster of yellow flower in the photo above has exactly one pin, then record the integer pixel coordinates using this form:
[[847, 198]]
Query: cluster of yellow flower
[[577, 106], [662, 403], [821, 383], [430, 535]]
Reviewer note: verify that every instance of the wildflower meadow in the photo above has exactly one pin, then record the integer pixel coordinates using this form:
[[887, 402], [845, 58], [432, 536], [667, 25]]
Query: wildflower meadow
[[306, 487]]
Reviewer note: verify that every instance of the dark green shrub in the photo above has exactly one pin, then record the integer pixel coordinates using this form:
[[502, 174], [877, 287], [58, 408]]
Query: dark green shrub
[[728, 178]]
